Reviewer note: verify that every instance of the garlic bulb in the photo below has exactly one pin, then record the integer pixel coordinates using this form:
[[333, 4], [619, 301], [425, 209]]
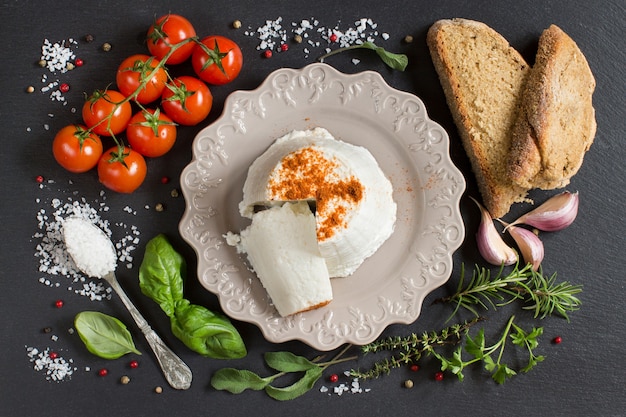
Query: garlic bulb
[[490, 243], [529, 244], [556, 213]]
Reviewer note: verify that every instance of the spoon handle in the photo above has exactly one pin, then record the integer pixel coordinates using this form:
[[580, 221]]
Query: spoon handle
[[176, 372]]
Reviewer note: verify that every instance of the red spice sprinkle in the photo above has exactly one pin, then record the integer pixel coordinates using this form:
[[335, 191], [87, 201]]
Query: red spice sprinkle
[[439, 376], [267, 53], [333, 37], [557, 340], [79, 62], [64, 87], [53, 355], [333, 378], [103, 372], [415, 368], [284, 47], [58, 303], [39, 179], [133, 364]]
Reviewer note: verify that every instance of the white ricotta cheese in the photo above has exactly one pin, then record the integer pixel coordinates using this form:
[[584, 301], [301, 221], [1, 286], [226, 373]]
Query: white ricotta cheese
[[355, 212], [281, 245]]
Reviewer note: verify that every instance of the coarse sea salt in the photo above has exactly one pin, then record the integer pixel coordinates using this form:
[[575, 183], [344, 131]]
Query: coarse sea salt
[[92, 251], [54, 260], [56, 369], [353, 387], [314, 35], [56, 56]]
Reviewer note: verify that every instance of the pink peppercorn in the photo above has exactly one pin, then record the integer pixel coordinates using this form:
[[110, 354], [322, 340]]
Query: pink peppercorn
[[58, 303], [557, 340], [39, 179], [53, 355], [79, 62], [103, 372], [333, 378], [64, 87], [267, 53], [439, 376], [284, 47], [333, 37]]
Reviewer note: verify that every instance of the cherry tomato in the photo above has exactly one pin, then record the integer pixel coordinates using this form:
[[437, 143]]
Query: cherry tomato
[[151, 133], [75, 149], [135, 70], [104, 114], [220, 62], [167, 31], [187, 100], [122, 169]]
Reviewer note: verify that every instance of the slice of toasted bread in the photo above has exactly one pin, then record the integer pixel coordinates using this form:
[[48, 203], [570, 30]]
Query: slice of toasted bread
[[482, 77], [557, 124]]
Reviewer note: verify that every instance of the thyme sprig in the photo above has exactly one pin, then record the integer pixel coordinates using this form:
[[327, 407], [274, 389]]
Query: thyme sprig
[[539, 292], [410, 348]]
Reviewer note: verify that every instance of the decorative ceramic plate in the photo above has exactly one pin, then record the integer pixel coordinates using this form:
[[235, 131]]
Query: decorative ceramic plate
[[390, 286]]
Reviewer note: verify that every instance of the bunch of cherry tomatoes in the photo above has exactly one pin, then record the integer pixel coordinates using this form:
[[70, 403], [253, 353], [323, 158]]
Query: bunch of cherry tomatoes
[[163, 103]]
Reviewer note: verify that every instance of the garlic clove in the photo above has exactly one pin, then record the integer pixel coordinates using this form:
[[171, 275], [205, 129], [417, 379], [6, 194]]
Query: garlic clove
[[490, 244], [556, 213], [529, 244]]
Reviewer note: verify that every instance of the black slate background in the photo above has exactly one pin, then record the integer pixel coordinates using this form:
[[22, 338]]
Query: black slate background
[[582, 376]]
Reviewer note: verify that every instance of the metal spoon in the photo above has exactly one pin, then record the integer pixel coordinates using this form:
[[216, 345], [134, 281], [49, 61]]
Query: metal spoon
[[176, 372]]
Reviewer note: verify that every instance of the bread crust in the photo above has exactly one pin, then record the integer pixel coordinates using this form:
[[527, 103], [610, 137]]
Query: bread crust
[[482, 77], [556, 124]]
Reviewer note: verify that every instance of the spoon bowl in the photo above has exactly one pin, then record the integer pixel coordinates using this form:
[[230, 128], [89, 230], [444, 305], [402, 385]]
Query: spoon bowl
[[94, 254]]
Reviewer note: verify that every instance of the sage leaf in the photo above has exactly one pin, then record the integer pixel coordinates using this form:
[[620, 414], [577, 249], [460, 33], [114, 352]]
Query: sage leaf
[[237, 381], [207, 333], [161, 274], [288, 362], [103, 335], [300, 387]]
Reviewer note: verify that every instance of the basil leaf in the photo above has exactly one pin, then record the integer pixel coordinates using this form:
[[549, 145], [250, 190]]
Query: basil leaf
[[103, 335], [161, 274], [288, 362], [236, 381], [300, 387], [205, 332]]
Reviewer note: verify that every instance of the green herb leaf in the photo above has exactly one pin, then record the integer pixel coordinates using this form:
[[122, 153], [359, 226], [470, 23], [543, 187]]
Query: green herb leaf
[[237, 381], [205, 332], [476, 346], [395, 61], [103, 335], [503, 373], [160, 274], [297, 389], [288, 362]]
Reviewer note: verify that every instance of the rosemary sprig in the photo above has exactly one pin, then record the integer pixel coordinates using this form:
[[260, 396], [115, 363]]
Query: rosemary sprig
[[540, 293]]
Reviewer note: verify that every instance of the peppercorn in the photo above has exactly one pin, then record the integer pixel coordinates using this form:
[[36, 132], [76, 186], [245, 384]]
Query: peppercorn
[[284, 47], [47, 329], [333, 378], [69, 66], [79, 62], [439, 376], [133, 364], [30, 89], [174, 193], [408, 384], [408, 39], [333, 37], [557, 340], [106, 47], [297, 39], [42, 63], [158, 390], [237, 24], [415, 367], [267, 53], [58, 303], [159, 207], [89, 38], [103, 372], [124, 380], [39, 179], [53, 355], [64, 88]]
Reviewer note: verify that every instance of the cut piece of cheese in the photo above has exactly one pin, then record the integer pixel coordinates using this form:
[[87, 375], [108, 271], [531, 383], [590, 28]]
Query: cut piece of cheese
[[281, 245], [354, 208]]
